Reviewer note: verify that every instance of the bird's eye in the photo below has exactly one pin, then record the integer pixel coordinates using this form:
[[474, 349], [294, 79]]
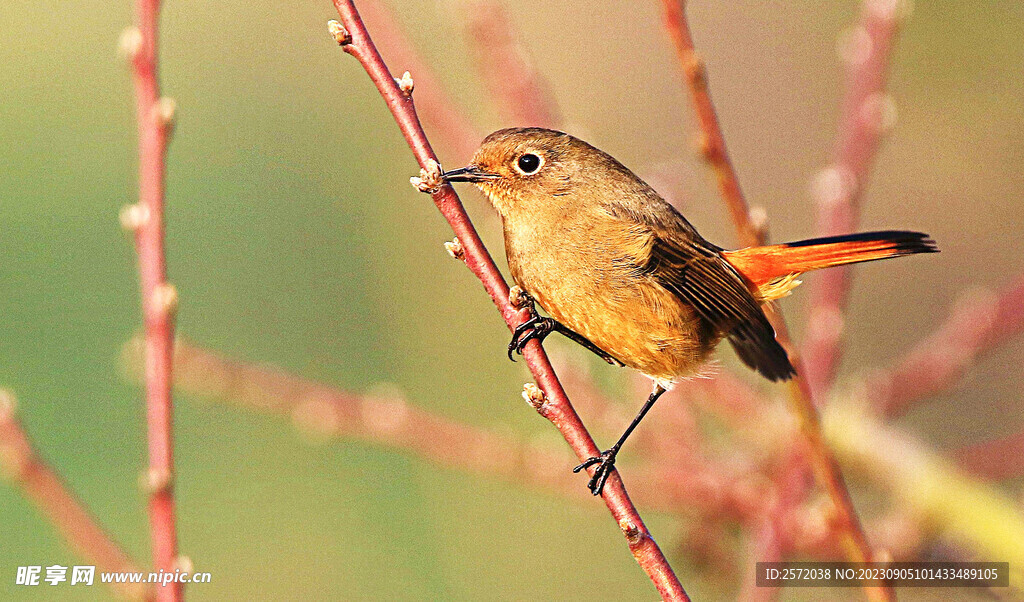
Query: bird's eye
[[529, 163]]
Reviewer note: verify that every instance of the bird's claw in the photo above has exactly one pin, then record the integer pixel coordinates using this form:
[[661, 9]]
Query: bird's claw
[[606, 463], [534, 328]]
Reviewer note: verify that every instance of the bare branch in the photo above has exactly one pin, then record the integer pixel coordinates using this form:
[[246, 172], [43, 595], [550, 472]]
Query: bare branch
[[40, 483], [556, 406], [867, 113], [155, 116], [446, 121], [506, 68], [712, 142], [981, 321]]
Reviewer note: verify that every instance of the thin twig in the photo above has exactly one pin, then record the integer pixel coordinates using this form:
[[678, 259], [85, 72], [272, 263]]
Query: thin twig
[[867, 113], [506, 68], [711, 142], [802, 401], [385, 418], [981, 321], [553, 402], [44, 487], [446, 121], [159, 298]]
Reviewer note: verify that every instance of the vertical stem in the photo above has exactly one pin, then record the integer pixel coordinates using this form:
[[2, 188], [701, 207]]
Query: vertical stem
[[159, 298], [866, 113]]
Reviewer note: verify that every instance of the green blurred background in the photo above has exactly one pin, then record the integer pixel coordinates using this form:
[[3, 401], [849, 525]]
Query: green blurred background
[[295, 239]]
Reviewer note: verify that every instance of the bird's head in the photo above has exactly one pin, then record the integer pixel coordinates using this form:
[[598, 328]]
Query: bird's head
[[528, 169]]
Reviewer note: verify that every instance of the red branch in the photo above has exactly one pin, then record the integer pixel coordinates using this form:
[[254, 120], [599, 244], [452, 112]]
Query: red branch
[[159, 298], [981, 321], [669, 481], [507, 70], [440, 115], [43, 486], [555, 405], [801, 397], [866, 114], [712, 142]]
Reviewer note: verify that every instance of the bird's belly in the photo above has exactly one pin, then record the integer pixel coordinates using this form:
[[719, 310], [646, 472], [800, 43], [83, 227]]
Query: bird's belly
[[637, 322]]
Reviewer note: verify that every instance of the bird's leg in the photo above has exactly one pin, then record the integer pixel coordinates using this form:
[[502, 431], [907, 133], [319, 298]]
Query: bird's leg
[[539, 328], [606, 461], [585, 342]]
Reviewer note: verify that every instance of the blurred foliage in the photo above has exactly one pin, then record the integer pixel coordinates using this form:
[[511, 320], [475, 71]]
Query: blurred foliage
[[295, 239]]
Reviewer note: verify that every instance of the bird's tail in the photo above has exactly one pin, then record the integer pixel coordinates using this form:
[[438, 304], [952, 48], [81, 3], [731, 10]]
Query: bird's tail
[[773, 268]]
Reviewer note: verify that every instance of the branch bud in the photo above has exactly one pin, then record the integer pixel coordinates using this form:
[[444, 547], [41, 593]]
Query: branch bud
[[758, 216], [129, 44], [429, 180], [855, 46], [534, 396], [165, 298], [341, 35], [631, 531], [455, 249], [405, 84], [8, 405], [696, 71], [134, 216], [518, 298], [156, 481], [163, 112]]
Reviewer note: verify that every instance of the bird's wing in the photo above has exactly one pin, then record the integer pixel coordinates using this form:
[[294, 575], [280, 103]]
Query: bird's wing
[[695, 271]]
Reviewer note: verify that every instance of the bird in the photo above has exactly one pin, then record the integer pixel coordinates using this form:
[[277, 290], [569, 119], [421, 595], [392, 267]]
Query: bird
[[620, 271]]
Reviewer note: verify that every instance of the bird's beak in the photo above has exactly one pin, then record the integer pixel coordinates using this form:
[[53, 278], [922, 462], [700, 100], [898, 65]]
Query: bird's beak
[[470, 173]]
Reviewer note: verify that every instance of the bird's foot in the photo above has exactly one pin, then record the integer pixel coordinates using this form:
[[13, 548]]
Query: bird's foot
[[534, 328], [605, 465]]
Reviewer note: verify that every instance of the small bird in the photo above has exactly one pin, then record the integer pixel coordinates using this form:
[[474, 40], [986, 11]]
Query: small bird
[[622, 273]]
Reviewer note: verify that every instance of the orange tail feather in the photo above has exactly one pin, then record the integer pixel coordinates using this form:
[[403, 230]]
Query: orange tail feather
[[763, 265]]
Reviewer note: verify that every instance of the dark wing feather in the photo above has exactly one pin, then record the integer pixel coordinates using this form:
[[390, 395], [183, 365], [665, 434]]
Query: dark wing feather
[[696, 272]]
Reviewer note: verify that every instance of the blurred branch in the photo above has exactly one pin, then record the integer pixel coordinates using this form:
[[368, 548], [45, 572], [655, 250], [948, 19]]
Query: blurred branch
[[981, 321], [440, 114], [684, 486], [712, 142], [867, 113], [1001, 458], [43, 486], [944, 495], [507, 71], [382, 418], [159, 298], [802, 401], [550, 400]]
